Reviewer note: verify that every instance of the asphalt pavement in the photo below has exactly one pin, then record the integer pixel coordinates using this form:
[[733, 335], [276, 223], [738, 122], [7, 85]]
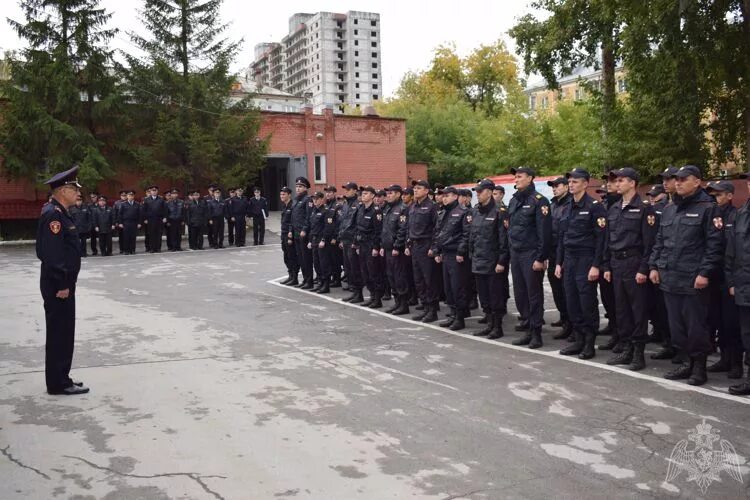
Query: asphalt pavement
[[211, 380]]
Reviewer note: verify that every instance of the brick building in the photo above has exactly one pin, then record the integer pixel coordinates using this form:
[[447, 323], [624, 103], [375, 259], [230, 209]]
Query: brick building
[[326, 148]]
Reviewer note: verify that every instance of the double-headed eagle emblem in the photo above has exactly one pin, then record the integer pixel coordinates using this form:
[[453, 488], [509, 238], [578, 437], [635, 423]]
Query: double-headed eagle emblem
[[703, 464]]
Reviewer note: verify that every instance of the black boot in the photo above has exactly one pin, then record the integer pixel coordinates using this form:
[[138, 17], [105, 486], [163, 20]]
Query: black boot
[[396, 304], [488, 327], [369, 300], [376, 301], [610, 344], [567, 328], [741, 389], [474, 304], [287, 280], [575, 348], [638, 363], [722, 365], [448, 321], [431, 315], [525, 340], [589, 347], [682, 372], [497, 327], [458, 321], [698, 375], [619, 347], [324, 287], [421, 314], [624, 358], [357, 297], [403, 307], [664, 353], [307, 285], [536, 339], [294, 281], [735, 365]]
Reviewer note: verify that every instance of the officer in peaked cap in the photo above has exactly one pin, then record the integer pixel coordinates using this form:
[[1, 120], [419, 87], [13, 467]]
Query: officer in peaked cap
[[302, 207], [58, 247], [559, 205]]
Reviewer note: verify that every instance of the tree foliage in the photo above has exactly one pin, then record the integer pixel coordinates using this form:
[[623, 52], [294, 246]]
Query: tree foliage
[[62, 94]]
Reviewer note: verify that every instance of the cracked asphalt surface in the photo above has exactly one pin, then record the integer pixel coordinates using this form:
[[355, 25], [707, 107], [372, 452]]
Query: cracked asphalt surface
[[211, 381]]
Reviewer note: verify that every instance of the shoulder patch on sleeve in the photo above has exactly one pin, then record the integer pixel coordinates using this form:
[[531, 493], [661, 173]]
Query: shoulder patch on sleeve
[[55, 226]]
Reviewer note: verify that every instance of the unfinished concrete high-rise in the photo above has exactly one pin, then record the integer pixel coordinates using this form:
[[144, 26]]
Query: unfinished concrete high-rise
[[327, 58]]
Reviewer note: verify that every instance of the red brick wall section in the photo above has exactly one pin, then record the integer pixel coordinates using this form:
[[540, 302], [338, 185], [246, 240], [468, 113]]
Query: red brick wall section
[[416, 171]]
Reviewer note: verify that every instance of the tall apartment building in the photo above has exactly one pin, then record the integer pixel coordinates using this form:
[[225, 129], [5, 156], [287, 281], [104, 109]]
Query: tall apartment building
[[328, 58]]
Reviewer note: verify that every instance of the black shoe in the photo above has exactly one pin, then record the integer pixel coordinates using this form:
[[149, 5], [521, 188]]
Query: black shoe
[[325, 288], [521, 327], [431, 314], [396, 304], [618, 348], [497, 329], [420, 315], [557, 323], [357, 298], [682, 372], [367, 302], [575, 348], [610, 344], [403, 307], [488, 328], [638, 363], [722, 365], [457, 323], [698, 375], [71, 390], [567, 329], [664, 353], [375, 302], [624, 358], [294, 282], [589, 347], [448, 321], [536, 340], [736, 369], [742, 389], [308, 285], [525, 340]]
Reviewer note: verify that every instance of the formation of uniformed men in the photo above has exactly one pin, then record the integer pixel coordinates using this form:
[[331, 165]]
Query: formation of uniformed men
[[168, 216], [680, 260]]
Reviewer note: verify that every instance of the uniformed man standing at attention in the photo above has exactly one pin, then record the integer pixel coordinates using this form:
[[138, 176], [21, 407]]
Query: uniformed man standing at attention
[[216, 219], [237, 208], [58, 247], [317, 242], [422, 218], [631, 231], [129, 220], [287, 238], [197, 219], [104, 224], [154, 217], [393, 243], [81, 215], [530, 236], [579, 258], [737, 269], [228, 216], [368, 229], [301, 208], [175, 221], [258, 209], [347, 229], [559, 204], [116, 207], [686, 254]]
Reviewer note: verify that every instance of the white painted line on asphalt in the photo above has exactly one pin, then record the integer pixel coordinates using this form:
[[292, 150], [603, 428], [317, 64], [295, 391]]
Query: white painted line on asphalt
[[550, 354]]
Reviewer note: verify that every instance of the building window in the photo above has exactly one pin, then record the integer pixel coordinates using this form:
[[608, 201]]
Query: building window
[[374, 86], [374, 54], [373, 33], [374, 44], [356, 32], [356, 43], [356, 64], [374, 76], [341, 66], [320, 169], [532, 102], [338, 24], [622, 85], [341, 88], [340, 45], [356, 21], [375, 96], [545, 102], [356, 96], [578, 94], [374, 65], [373, 23], [356, 53], [356, 74], [356, 85]]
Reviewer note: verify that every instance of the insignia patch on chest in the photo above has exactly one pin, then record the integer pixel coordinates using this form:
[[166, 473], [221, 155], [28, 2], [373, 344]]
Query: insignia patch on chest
[[402, 218], [329, 220], [55, 226], [545, 209], [601, 222], [651, 220], [379, 216], [718, 222], [468, 219]]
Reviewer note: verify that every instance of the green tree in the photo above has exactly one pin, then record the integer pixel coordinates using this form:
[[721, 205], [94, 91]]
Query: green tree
[[63, 97], [190, 128], [572, 33]]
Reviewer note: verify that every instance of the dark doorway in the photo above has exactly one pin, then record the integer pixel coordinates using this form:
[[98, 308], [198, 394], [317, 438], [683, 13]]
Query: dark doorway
[[274, 176]]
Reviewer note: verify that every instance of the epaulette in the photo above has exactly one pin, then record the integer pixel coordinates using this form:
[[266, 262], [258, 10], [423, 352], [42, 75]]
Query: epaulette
[[539, 196]]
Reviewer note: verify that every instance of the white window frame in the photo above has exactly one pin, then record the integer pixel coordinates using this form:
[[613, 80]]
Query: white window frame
[[319, 179]]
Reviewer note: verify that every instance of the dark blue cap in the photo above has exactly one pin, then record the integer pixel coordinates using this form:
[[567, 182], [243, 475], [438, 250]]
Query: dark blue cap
[[628, 172], [302, 181], [330, 189], [484, 184], [688, 170], [656, 190], [668, 172], [464, 192], [64, 178], [350, 185], [285, 189], [523, 170], [370, 189], [394, 187], [557, 181], [421, 182], [578, 173], [450, 190], [499, 187], [409, 191], [723, 186]]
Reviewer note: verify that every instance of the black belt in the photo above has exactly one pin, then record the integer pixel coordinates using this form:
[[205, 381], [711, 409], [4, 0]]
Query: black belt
[[626, 254]]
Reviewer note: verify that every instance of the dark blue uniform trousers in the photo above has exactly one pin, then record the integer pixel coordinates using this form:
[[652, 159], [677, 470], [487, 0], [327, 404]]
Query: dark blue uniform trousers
[[688, 321], [60, 319], [528, 288], [426, 277], [371, 269], [493, 295], [397, 271], [631, 300], [580, 293], [456, 278]]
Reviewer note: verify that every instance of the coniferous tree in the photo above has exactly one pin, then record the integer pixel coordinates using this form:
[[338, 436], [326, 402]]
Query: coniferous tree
[[62, 94], [190, 129]]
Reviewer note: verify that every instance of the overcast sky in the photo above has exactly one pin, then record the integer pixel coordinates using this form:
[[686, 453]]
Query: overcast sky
[[409, 32]]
